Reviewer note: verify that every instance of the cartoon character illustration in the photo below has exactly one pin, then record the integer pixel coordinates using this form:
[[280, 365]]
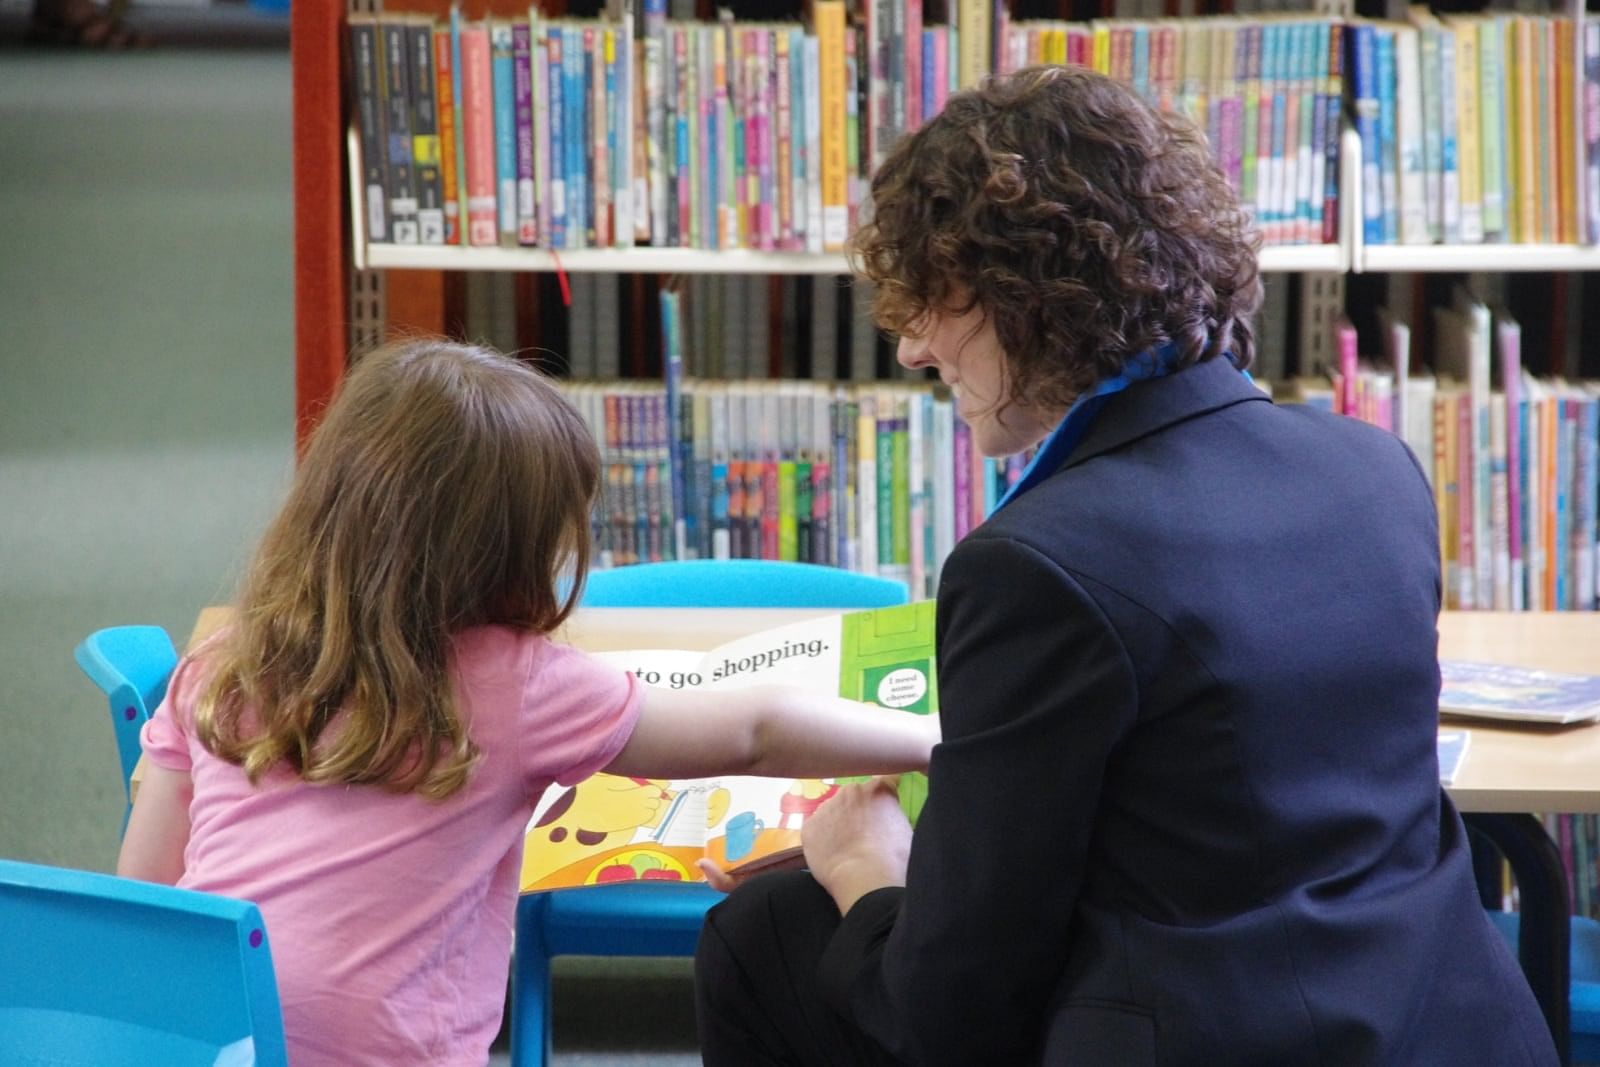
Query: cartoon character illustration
[[802, 799], [605, 812]]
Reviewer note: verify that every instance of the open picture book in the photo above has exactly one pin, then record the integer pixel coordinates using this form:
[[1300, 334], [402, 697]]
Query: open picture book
[[608, 829], [1521, 694]]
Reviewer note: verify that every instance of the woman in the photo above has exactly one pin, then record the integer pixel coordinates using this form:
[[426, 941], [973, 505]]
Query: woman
[[1186, 809]]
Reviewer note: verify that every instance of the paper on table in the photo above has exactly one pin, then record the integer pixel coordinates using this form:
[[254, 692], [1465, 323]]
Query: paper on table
[[1496, 691], [1452, 750]]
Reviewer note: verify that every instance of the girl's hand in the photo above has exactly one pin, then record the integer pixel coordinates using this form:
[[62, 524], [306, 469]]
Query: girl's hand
[[858, 841], [716, 877]]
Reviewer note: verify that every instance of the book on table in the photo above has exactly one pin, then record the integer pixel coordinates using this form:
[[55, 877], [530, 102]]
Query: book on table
[[609, 829], [1521, 694]]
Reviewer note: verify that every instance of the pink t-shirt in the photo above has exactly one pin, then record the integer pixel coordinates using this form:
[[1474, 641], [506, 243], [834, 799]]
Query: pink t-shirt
[[390, 915]]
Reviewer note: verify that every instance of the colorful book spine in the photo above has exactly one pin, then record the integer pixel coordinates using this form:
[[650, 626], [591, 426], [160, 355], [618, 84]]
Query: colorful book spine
[[1548, 191], [813, 141], [425, 133], [672, 365], [788, 542], [1334, 102], [769, 474], [656, 154], [401, 172], [1526, 95], [1499, 508], [522, 98], [449, 119], [1492, 116], [867, 480], [828, 16], [625, 217], [1469, 128], [1364, 72], [783, 99], [502, 68], [1586, 501], [477, 130], [1432, 118], [1308, 168], [1450, 141], [1591, 127], [366, 67], [603, 126], [575, 97], [900, 487], [1509, 337], [1276, 56], [1413, 174], [1249, 70], [1567, 165], [555, 41], [1388, 139], [540, 91]]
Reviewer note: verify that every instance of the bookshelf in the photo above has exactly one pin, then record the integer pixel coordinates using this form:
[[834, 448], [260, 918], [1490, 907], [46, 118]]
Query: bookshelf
[[343, 279]]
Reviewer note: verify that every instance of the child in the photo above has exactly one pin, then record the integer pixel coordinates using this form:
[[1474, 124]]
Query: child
[[360, 752]]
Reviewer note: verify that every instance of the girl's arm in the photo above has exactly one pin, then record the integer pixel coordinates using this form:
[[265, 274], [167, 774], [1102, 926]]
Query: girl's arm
[[158, 828], [775, 731]]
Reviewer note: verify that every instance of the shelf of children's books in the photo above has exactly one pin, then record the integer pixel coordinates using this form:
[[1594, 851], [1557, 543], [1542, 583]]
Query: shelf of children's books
[[644, 260], [1471, 258]]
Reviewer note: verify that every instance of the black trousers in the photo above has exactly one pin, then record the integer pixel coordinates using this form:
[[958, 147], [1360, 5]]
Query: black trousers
[[757, 997]]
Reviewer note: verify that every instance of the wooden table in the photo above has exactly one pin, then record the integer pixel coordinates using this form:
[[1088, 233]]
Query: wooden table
[[1525, 768]]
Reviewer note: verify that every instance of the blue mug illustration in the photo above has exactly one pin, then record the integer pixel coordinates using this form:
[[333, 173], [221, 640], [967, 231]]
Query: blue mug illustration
[[742, 831]]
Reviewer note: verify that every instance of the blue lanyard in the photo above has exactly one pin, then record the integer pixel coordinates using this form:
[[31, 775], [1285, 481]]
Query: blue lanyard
[[1065, 437]]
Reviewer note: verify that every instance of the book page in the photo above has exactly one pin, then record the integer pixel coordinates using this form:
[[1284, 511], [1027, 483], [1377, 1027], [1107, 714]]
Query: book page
[[1498, 691], [609, 829], [612, 829], [1452, 746], [884, 656], [765, 814]]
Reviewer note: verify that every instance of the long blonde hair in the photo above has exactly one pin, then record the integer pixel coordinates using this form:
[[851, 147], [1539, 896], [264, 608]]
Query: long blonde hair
[[448, 486]]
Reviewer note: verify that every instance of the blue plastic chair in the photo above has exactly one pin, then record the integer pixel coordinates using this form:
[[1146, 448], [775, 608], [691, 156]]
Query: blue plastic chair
[[656, 920], [738, 583], [1584, 999], [131, 665], [110, 972]]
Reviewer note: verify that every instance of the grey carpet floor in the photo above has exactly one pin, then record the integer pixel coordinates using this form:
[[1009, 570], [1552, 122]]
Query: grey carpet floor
[[146, 430]]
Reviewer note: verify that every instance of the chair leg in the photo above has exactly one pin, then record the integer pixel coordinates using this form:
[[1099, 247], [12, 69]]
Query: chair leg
[[531, 1021], [1545, 937]]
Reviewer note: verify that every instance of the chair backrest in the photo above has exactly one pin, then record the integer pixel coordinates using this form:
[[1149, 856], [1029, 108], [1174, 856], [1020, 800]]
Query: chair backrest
[[131, 665], [110, 972], [738, 583]]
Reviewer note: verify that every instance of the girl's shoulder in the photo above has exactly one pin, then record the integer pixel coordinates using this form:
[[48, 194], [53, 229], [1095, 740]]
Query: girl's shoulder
[[503, 655]]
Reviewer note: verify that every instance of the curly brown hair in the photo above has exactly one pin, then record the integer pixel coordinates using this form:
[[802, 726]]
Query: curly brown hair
[[1087, 225]]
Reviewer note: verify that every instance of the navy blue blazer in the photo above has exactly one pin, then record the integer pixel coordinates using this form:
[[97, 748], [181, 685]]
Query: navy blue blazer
[[1187, 807]]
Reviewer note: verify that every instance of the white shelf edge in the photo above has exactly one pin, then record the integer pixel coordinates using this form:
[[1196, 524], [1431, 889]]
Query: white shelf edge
[[1300, 258], [1467, 258], [603, 260], [696, 261]]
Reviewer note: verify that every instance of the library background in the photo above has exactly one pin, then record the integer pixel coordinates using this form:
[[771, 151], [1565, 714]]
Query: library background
[[652, 199]]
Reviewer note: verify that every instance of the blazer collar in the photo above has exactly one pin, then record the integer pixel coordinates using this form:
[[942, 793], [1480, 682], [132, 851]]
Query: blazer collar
[[1155, 404]]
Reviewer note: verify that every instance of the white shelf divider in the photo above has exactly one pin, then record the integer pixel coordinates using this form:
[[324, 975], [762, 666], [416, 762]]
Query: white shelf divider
[[697, 261], [600, 260], [1473, 258]]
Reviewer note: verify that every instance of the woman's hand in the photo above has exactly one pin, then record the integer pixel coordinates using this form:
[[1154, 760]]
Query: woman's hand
[[858, 840]]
